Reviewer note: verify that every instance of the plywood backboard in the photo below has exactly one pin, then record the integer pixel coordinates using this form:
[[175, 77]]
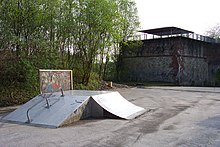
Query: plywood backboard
[[53, 80]]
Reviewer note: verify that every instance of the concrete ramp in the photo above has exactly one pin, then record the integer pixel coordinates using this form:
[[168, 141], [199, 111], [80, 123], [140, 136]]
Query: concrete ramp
[[116, 104], [56, 110]]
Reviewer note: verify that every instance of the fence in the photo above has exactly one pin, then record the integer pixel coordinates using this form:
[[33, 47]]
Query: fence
[[195, 36]]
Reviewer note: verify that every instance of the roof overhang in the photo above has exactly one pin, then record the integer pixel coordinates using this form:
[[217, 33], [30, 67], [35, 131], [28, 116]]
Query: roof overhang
[[166, 31]]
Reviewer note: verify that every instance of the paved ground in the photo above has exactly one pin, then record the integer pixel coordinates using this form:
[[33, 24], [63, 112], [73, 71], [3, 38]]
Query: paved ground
[[176, 116]]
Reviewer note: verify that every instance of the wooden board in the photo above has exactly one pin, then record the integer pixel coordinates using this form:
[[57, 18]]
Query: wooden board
[[53, 80]]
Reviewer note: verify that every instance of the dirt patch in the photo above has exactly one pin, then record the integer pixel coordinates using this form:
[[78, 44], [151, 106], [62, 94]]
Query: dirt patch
[[8, 109], [108, 86]]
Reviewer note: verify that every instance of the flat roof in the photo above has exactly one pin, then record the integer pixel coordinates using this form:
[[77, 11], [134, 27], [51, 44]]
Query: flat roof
[[166, 31]]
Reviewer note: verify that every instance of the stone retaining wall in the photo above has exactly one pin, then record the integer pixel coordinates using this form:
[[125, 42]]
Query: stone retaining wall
[[177, 60]]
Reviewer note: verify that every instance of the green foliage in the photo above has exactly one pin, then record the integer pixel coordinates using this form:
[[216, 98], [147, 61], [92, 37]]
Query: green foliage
[[59, 34], [218, 75], [19, 82], [111, 72], [94, 83], [132, 46]]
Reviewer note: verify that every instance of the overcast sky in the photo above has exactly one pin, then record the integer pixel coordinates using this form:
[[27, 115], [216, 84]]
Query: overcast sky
[[193, 15]]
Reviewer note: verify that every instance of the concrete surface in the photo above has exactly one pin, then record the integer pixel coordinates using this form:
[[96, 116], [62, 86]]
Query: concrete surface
[[176, 116]]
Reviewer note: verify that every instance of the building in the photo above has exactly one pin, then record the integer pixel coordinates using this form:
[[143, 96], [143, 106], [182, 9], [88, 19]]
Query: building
[[170, 54]]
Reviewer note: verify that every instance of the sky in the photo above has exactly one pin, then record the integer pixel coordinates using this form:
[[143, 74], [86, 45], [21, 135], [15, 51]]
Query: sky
[[193, 15]]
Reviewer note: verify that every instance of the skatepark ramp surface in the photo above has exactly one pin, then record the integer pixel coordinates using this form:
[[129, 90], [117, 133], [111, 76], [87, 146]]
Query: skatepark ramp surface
[[60, 109]]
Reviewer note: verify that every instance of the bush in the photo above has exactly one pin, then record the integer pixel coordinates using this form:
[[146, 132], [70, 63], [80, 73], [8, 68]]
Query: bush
[[19, 82], [218, 75], [94, 83]]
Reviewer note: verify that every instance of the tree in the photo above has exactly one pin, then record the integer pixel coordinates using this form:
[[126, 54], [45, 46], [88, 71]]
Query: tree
[[66, 33], [214, 32], [129, 23]]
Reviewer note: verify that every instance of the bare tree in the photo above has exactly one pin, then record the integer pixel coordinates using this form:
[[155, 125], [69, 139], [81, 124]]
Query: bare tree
[[214, 32]]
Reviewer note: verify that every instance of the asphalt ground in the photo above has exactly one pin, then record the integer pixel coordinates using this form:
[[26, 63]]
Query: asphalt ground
[[175, 116]]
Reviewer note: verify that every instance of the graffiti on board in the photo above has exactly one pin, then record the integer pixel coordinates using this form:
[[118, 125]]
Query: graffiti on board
[[54, 80]]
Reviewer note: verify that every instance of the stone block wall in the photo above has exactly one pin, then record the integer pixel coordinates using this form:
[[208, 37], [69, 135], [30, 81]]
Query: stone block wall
[[177, 60]]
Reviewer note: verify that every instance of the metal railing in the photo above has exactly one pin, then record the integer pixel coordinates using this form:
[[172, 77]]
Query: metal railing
[[45, 97], [195, 36]]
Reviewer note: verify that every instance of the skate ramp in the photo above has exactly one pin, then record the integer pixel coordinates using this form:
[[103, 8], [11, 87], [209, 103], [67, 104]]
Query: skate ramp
[[116, 104], [56, 110]]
